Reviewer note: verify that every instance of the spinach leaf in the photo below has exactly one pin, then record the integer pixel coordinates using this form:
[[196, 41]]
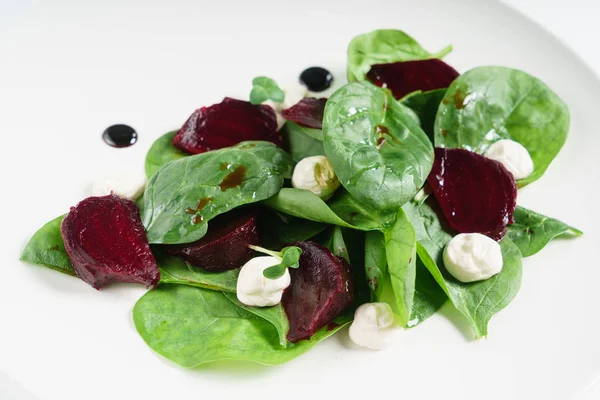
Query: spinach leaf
[[316, 134], [175, 270], [429, 296], [375, 263], [532, 231], [477, 301], [185, 194], [301, 145], [379, 153], [46, 248], [384, 46], [425, 105], [275, 315], [193, 326], [304, 204], [277, 230], [263, 89], [359, 215], [162, 152], [342, 210], [491, 103], [400, 250]]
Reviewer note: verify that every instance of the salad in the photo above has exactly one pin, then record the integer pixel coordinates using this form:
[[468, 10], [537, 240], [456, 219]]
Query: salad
[[266, 226]]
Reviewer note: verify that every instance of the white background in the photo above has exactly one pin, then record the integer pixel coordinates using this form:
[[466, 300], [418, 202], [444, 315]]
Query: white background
[[574, 21]]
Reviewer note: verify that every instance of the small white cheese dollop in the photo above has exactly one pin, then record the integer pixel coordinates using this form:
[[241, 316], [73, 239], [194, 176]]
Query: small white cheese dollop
[[254, 289], [126, 185], [513, 156], [471, 257], [369, 320], [277, 108], [316, 174], [293, 94]]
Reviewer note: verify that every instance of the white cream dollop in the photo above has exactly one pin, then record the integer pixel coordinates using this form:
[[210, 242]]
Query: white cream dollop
[[254, 289], [293, 94], [126, 185], [513, 156], [471, 257], [316, 174], [369, 320]]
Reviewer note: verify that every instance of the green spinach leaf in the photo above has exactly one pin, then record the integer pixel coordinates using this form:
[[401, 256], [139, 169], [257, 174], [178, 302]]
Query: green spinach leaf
[[477, 301], [384, 46], [46, 248], [425, 105], [185, 194], [277, 230], [490, 103], [175, 270], [359, 215], [275, 315], [161, 153], [429, 296], [400, 250], [263, 89], [342, 210], [532, 231], [379, 153], [304, 204], [299, 143], [192, 326], [375, 263]]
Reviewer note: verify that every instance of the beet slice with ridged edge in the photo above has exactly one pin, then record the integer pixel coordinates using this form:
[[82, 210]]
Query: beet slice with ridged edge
[[226, 124], [321, 289], [225, 246], [106, 242], [307, 112], [406, 77], [476, 194]]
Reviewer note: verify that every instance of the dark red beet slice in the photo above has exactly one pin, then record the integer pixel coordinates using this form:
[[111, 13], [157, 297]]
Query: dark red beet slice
[[226, 124], [225, 246], [106, 242], [320, 290], [403, 78], [308, 112], [476, 194]]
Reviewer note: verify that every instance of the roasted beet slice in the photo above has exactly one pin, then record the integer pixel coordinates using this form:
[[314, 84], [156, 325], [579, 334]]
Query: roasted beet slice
[[225, 246], [321, 289], [308, 112], [475, 193], [403, 78], [226, 124], [106, 242]]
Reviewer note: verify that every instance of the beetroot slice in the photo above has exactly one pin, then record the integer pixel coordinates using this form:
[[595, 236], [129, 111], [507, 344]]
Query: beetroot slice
[[321, 289], [308, 112], [226, 124], [225, 246], [476, 194], [106, 242], [403, 78]]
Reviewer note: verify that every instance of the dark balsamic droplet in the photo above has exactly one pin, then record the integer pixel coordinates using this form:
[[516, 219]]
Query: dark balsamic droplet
[[316, 79], [119, 135]]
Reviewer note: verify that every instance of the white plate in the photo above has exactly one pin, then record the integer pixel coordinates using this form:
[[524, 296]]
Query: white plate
[[70, 70]]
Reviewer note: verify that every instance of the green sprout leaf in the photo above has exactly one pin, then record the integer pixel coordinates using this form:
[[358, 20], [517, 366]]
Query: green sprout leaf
[[289, 256], [263, 89]]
